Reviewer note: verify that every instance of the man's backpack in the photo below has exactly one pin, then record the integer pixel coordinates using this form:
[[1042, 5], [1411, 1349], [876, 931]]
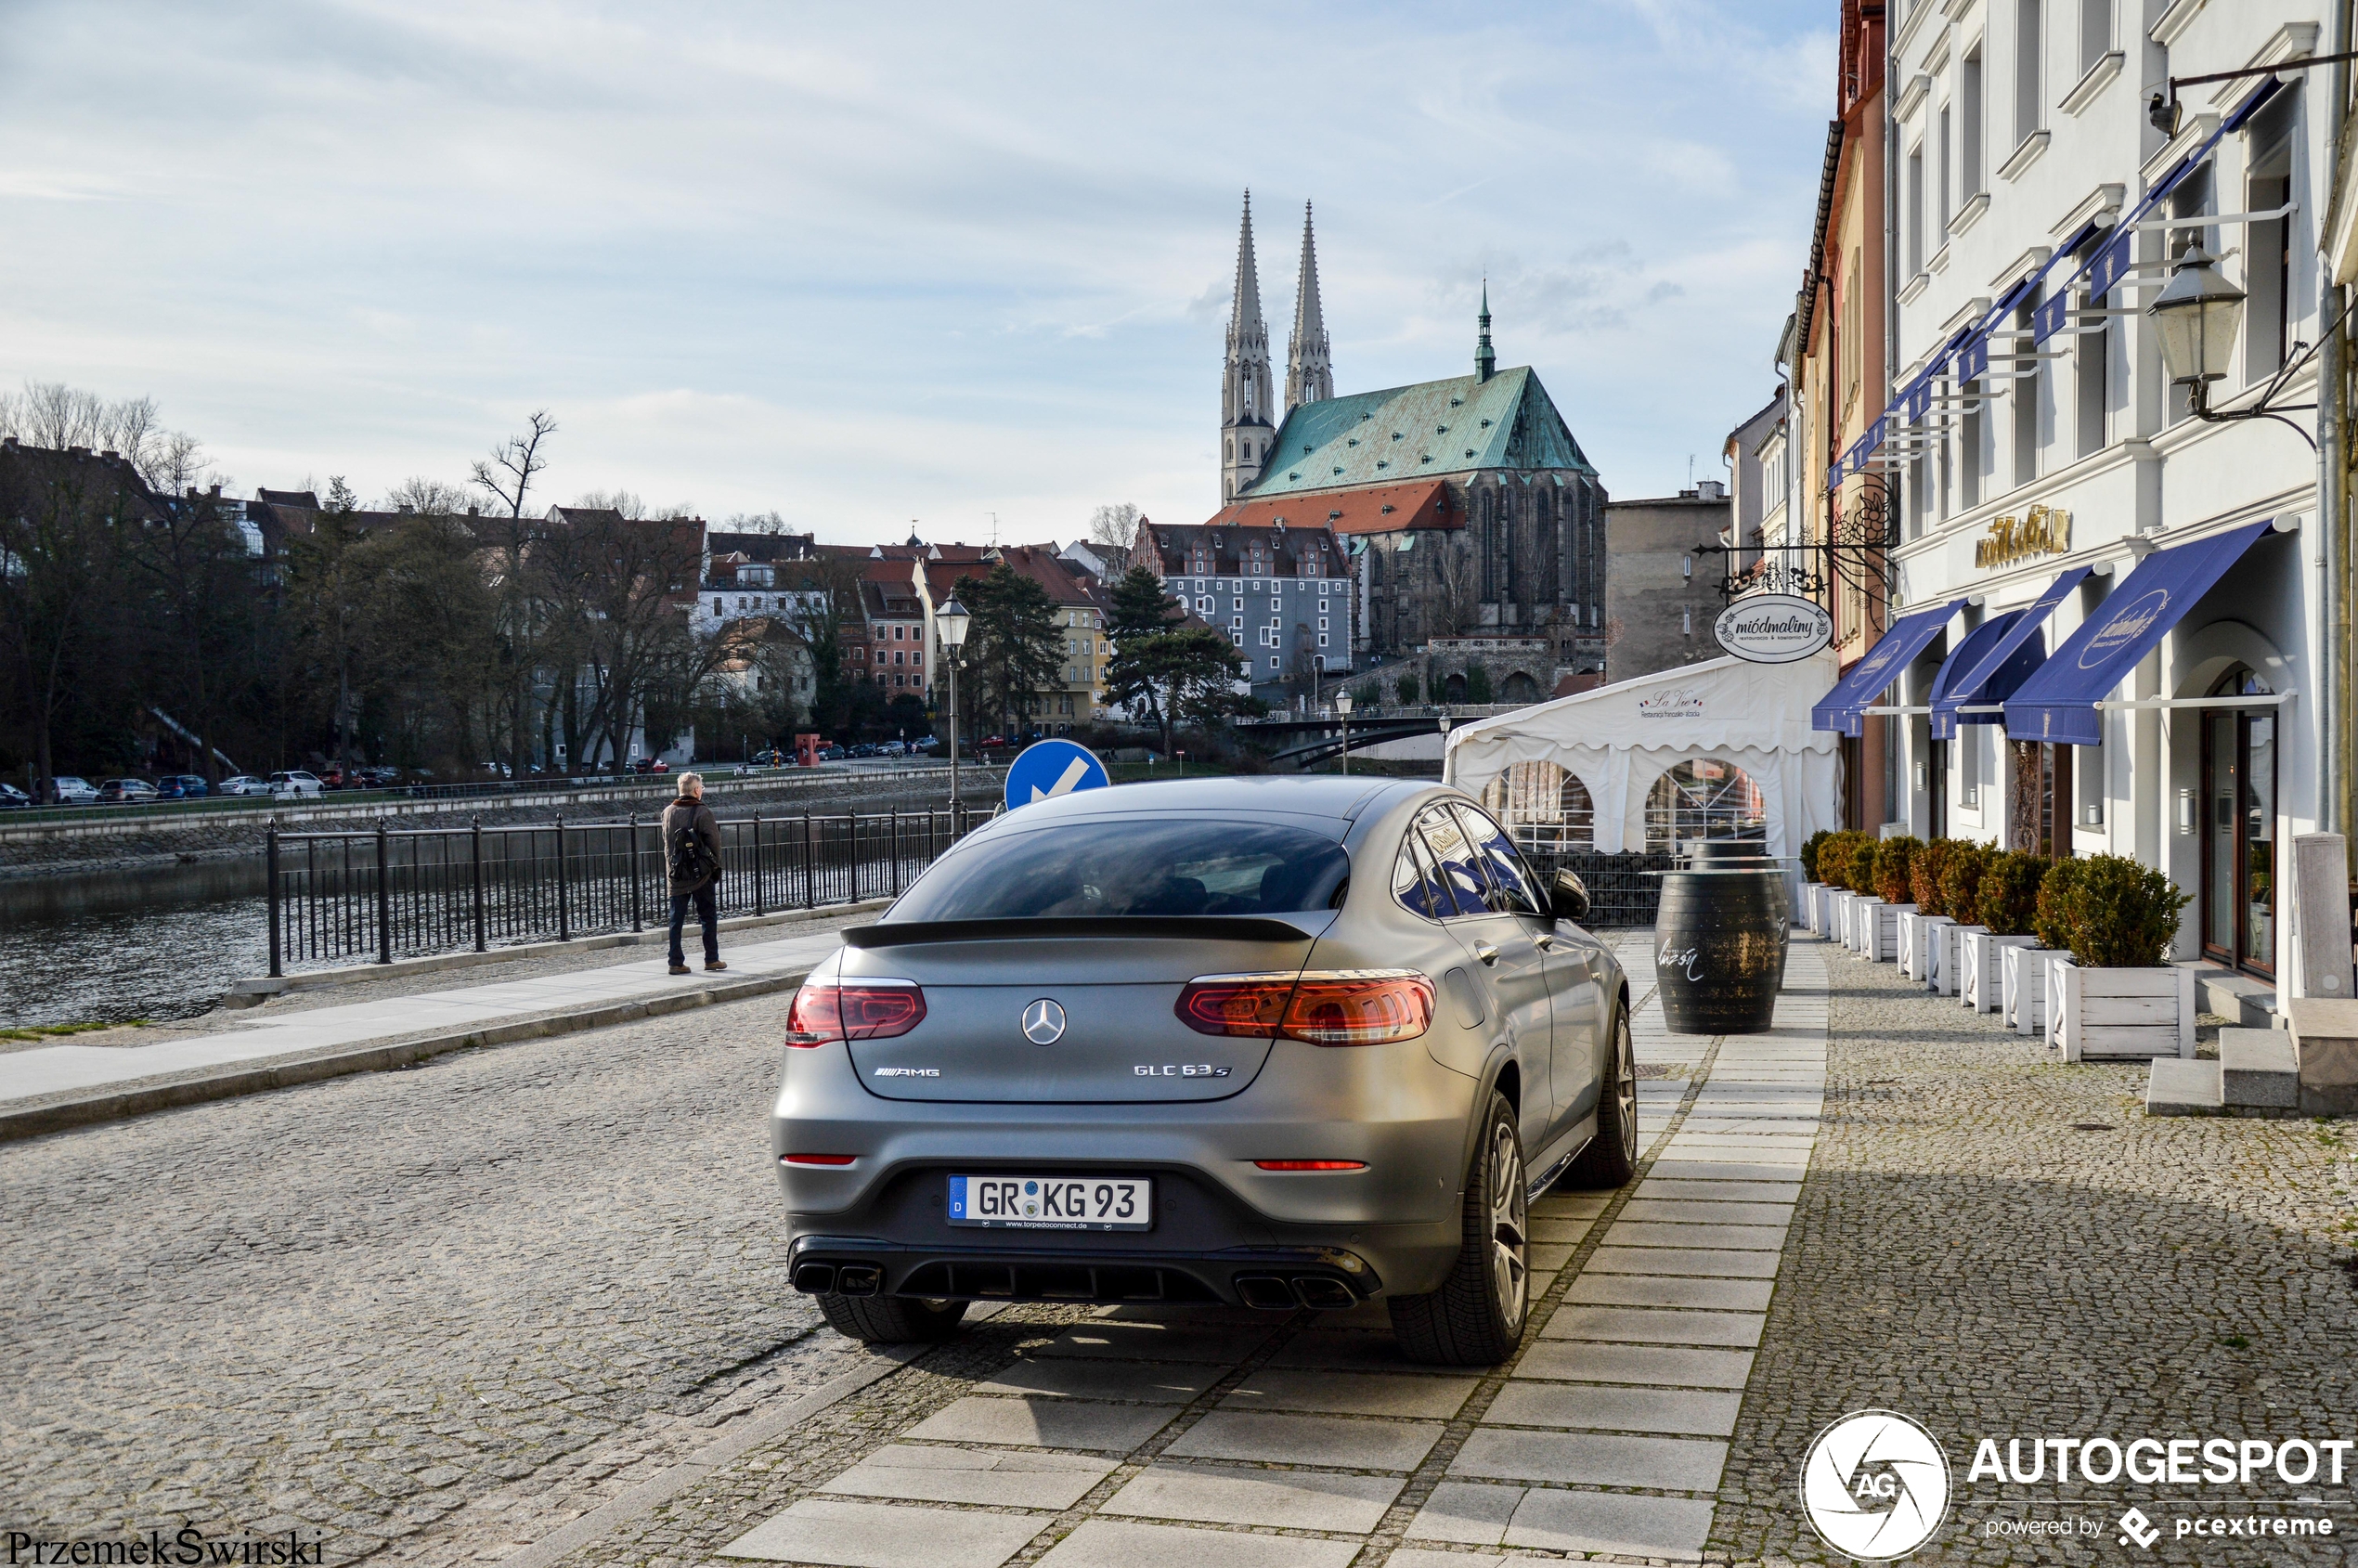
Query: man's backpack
[[689, 856]]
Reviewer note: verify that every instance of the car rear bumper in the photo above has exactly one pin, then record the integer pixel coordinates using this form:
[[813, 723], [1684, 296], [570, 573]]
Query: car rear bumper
[[1224, 1228]]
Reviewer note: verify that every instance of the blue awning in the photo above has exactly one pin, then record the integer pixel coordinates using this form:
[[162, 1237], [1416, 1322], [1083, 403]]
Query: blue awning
[[1961, 663], [2058, 703], [2000, 665], [1841, 709]]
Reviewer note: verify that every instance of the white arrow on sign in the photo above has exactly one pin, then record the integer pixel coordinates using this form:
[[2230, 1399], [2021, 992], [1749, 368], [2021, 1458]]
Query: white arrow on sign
[[1067, 784]]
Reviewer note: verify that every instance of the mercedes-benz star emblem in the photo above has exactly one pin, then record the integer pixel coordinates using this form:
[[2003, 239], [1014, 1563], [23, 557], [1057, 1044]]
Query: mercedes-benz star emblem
[[1044, 1022]]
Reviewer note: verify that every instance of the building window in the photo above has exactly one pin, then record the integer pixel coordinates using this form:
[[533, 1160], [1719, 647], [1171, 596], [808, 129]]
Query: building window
[[1970, 130], [1915, 198], [2026, 389], [2095, 33], [1945, 163], [1273, 661], [2029, 33]]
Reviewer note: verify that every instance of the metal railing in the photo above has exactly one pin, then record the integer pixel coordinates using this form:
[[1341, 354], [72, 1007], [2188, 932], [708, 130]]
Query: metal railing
[[398, 892]]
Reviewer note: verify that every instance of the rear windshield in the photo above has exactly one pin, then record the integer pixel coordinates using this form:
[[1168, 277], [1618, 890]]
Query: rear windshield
[[1135, 866]]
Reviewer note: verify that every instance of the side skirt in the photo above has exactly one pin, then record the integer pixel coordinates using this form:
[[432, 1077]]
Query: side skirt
[[1566, 1149]]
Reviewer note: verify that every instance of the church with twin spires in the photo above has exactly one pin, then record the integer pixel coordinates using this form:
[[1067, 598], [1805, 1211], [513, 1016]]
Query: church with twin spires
[[1468, 519]]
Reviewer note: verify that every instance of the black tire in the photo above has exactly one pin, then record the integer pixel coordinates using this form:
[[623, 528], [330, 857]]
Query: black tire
[[1611, 1158], [890, 1320], [1477, 1316]]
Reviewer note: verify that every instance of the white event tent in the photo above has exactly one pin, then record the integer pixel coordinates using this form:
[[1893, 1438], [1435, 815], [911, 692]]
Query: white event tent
[[1618, 740]]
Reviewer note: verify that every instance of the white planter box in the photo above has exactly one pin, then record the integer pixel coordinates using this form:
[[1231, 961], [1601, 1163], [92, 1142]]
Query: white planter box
[[1812, 918], [1949, 979], [1982, 975], [2022, 989], [1883, 943], [1920, 947], [1839, 915], [2054, 964], [1864, 911], [2135, 1013]]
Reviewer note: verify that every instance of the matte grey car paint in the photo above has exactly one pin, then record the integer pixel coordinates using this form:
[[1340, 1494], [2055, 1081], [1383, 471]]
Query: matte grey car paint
[[1532, 1018]]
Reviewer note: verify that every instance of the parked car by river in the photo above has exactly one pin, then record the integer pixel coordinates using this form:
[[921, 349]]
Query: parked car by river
[[243, 784], [293, 785], [67, 790], [127, 792], [182, 787], [12, 798]]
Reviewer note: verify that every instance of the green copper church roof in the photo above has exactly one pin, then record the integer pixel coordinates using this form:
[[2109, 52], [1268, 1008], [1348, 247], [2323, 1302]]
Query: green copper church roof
[[1409, 433]]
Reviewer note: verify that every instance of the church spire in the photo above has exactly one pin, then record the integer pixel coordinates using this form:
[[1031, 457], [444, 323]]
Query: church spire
[[1485, 358], [1310, 376], [1246, 400]]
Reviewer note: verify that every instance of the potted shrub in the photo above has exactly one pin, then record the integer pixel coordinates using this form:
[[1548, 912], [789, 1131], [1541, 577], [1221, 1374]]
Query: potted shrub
[[2042, 977], [2006, 901], [1864, 898], [1893, 859], [1812, 881], [2121, 996], [1834, 860], [1961, 895], [1920, 948]]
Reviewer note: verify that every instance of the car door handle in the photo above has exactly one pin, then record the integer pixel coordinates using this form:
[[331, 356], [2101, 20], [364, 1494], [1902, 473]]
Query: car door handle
[[1484, 952]]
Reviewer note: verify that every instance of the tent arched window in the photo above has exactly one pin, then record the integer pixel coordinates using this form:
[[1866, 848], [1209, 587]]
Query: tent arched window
[[1543, 806], [1705, 798]]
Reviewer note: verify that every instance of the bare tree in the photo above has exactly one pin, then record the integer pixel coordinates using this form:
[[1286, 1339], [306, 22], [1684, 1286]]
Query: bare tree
[[507, 475], [1456, 599], [1114, 530]]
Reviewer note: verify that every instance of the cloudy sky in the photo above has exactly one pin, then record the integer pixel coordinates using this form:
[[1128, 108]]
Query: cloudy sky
[[865, 264]]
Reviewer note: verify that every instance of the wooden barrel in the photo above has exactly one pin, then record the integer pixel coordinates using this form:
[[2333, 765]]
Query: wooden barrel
[[1719, 949]]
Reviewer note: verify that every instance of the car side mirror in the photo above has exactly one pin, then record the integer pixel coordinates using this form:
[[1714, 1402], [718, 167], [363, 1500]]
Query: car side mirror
[[1570, 894]]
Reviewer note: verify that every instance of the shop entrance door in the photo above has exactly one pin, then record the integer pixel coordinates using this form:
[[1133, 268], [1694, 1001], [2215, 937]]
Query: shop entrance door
[[2238, 840]]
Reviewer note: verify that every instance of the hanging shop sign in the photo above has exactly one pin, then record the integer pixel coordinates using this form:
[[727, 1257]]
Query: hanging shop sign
[[1774, 628], [2043, 530]]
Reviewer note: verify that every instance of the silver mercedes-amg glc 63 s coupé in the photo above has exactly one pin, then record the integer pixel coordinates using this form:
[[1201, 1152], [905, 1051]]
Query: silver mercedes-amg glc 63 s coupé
[[1275, 1043]]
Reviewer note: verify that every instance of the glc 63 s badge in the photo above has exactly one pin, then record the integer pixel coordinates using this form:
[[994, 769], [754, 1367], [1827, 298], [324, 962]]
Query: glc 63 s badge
[[1181, 1070]]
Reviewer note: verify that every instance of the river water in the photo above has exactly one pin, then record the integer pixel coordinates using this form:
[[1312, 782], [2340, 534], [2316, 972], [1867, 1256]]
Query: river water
[[108, 947]]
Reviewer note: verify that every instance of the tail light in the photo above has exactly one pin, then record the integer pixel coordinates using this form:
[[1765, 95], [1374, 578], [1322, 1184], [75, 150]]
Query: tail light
[[1311, 1165], [1322, 1006], [826, 1011]]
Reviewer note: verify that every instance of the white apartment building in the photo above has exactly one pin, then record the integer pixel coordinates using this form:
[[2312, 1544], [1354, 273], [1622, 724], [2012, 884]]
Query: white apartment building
[[2107, 607]]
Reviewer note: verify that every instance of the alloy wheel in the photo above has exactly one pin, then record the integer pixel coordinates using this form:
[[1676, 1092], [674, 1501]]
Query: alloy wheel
[[1509, 1229], [1625, 1088]]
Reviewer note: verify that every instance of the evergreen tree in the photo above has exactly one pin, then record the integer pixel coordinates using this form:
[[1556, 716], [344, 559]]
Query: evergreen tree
[[1013, 648]]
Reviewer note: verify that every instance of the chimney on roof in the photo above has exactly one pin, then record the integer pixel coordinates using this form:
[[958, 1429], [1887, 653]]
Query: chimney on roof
[[471, 512], [216, 492], [109, 454]]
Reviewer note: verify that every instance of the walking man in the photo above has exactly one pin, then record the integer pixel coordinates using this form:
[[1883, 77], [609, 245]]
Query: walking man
[[691, 860]]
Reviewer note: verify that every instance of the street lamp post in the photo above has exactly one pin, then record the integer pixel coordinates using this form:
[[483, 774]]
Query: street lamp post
[[1342, 707], [950, 623]]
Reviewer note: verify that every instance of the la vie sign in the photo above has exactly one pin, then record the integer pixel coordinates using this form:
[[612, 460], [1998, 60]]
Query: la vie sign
[[1774, 628]]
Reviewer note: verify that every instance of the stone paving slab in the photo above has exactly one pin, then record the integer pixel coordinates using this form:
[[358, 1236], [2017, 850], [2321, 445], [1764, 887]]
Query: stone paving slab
[[1570, 1205], [1583, 1362], [1611, 1408], [1701, 1212], [1656, 1186], [1612, 1522], [1544, 1228], [1147, 1383], [1048, 1422], [920, 1474], [1356, 1443], [1343, 1349], [1112, 1543], [1684, 1464], [1654, 1325], [1352, 1394], [1551, 1256], [1285, 1499], [1670, 1168], [845, 1534], [1767, 1238], [1669, 1291], [1157, 1342]]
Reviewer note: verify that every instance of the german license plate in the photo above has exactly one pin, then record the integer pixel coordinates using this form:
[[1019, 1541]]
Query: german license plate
[[1053, 1202]]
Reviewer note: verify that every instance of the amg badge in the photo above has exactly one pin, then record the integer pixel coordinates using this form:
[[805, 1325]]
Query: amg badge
[[907, 1072]]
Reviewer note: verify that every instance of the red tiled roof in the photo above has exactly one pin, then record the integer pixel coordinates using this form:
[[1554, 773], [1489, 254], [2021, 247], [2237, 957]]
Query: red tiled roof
[[1378, 509]]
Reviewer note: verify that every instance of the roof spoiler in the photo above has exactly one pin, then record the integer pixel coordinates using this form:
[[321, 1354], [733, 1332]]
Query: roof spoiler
[[1199, 927]]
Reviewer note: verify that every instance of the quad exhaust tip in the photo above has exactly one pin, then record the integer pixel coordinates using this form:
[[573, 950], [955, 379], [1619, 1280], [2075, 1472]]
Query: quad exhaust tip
[[847, 1279], [1269, 1293]]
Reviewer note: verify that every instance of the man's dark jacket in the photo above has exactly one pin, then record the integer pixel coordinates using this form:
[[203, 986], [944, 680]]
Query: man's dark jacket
[[682, 812]]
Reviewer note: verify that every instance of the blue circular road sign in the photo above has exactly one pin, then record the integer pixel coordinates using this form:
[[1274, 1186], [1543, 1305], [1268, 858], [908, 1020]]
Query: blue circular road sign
[[1048, 769]]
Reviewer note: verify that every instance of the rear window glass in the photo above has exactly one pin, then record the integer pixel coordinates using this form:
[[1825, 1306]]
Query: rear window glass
[[1135, 866]]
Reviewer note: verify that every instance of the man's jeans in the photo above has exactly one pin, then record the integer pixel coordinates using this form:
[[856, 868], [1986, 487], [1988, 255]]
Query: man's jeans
[[707, 899]]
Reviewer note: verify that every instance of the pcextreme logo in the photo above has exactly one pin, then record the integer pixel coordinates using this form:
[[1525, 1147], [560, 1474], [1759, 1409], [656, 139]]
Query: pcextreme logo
[[1875, 1485]]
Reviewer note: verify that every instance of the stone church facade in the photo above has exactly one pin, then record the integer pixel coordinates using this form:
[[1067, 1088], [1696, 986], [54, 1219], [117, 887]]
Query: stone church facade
[[1468, 509]]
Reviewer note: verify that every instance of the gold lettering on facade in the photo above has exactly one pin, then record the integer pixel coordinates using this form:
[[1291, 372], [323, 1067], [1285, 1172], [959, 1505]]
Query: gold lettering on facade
[[2043, 530]]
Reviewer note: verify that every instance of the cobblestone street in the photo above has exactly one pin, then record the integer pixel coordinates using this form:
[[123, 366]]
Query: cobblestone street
[[440, 1314]]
